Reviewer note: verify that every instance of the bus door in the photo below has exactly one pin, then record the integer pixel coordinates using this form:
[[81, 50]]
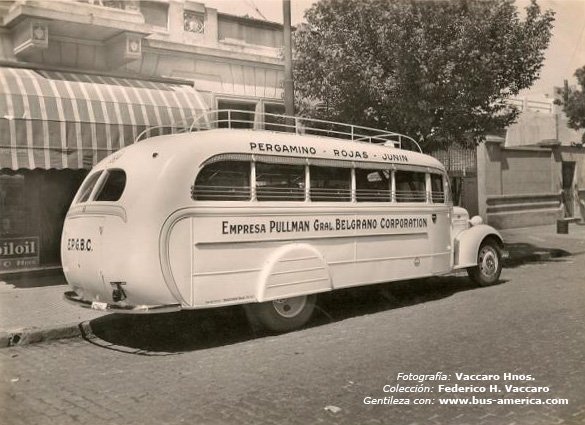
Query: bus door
[[440, 226]]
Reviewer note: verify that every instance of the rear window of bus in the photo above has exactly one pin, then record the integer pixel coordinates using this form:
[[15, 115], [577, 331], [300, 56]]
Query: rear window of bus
[[110, 189], [113, 187], [88, 186]]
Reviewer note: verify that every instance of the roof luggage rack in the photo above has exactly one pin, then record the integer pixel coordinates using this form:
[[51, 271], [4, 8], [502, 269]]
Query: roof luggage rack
[[242, 119]]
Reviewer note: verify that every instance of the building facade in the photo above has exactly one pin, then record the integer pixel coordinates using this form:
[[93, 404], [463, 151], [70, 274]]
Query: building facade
[[81, 79], [535, 174]]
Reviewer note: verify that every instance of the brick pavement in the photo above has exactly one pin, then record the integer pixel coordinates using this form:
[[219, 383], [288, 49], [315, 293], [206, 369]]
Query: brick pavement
[[531, 323]]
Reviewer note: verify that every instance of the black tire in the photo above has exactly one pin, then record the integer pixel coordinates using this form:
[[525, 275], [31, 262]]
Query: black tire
[[282, 315], [489, 264]]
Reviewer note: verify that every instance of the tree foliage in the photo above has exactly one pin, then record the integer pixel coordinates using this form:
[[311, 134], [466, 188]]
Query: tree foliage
[[574, 102], [439, 70]]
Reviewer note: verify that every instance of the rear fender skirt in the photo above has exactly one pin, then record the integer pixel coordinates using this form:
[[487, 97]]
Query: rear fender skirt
[[292, 270]]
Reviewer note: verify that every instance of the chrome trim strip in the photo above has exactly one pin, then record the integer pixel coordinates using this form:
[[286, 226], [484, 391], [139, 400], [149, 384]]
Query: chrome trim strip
[[95, 209], [164, 256], [297, 282]]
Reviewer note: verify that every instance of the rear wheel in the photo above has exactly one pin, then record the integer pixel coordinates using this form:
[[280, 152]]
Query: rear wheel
[[489, 264], [284, 314]]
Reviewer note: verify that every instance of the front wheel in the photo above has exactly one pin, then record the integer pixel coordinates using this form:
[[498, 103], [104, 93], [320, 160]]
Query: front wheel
[[489, 264], [282, 315]]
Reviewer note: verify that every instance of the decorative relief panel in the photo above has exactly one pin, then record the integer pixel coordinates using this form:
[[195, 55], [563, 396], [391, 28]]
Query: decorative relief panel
[[194, 22]]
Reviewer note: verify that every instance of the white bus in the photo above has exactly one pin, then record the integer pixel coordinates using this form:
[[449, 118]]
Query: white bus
[[265, 217]]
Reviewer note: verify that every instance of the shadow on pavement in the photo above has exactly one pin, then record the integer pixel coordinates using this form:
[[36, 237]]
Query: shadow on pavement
[[200, 329], [343, 304], [522, 253], [173, 332]]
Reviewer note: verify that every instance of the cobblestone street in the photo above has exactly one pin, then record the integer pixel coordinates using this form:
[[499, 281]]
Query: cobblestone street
[[211, 368]]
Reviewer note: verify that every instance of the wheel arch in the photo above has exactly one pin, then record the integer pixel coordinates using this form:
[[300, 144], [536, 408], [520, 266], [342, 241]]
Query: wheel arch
[[467, 244]]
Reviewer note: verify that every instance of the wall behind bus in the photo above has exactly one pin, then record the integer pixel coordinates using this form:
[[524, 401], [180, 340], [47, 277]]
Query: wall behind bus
[[522, 186]]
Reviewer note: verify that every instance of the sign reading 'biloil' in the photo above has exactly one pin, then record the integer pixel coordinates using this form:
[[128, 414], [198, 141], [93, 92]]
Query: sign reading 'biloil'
[[19, 253]]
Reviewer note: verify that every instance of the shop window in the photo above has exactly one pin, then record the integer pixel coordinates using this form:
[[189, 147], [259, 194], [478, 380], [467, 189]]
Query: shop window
[[372, 185], [88, 186], [410, 186], [223, 181], [330, 184], [33, 206], [12, 205], [116, 4], [113, 187], [155, 13], [280, 182], [437, 189], [240, 116]]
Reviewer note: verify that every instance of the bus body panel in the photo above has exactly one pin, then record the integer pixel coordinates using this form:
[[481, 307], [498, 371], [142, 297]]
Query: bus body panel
[[81, 254], [231, 266]]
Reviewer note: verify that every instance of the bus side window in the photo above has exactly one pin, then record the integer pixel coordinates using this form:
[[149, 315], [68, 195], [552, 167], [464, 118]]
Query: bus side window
[[372, 185], [410, 186], [223, 181], [437, 189], [280, 182], [330, 184]]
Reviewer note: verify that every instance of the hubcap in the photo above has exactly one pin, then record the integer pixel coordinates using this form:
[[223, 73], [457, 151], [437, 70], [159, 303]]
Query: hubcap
[[290, 307], [488, 261]]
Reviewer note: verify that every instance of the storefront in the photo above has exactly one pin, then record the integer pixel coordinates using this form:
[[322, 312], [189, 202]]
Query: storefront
[[54, 126]]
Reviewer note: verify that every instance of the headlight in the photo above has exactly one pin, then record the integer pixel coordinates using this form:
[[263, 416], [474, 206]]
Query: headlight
[[476, 220]]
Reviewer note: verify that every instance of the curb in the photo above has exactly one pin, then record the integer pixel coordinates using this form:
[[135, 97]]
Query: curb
[[34, 335]]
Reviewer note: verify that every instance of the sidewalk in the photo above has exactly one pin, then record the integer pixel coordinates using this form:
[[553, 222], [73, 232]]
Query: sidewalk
[[29, 315], [541, 243], [32, 309]]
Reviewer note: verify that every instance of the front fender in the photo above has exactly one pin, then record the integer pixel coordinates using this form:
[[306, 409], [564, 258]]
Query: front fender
[[467, 244]]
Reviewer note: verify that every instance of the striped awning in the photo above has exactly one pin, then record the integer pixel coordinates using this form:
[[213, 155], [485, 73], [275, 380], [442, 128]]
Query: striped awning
[[51, 119]]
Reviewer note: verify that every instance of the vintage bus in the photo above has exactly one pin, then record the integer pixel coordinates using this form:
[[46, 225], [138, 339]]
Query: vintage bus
[[267, 216]]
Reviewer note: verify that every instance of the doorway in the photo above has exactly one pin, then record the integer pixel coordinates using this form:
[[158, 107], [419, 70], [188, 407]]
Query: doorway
[[569, 189]]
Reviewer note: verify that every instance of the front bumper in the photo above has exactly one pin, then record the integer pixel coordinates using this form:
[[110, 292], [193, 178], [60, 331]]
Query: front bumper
[[72, 297]]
